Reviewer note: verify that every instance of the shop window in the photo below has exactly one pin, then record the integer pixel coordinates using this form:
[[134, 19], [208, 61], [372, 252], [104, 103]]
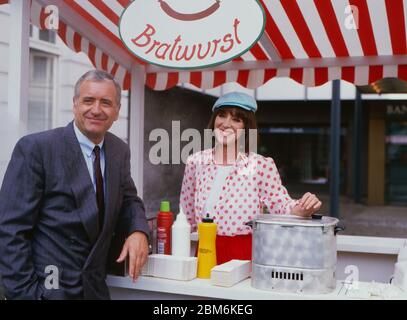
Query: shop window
[[41, 92], [301, 155], [396, 162], [47, 35]]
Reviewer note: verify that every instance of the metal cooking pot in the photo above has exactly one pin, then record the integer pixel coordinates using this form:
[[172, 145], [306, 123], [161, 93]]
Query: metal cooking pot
[[294, 254]]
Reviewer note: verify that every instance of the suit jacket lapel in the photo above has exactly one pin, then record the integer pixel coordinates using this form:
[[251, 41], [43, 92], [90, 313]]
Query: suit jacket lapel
[[81, 184]]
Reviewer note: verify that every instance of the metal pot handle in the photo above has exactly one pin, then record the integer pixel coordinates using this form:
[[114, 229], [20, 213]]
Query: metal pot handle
[[316, 216], [339, 227], [249, 223]]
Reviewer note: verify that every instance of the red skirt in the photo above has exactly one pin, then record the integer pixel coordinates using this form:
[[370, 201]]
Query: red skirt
[[236, 247], [232, 247]]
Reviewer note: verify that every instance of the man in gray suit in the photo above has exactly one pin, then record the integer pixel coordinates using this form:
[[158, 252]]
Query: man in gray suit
[[65, 192]]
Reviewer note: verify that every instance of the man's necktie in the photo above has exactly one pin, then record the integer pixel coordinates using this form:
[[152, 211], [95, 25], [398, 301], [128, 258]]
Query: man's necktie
[[99, 187]]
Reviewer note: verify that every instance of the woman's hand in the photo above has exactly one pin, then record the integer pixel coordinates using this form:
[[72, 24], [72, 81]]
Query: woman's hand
[[307, 205]]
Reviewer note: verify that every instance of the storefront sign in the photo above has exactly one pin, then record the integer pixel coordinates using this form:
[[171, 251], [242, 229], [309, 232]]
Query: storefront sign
[[396, 109], [187, 34]]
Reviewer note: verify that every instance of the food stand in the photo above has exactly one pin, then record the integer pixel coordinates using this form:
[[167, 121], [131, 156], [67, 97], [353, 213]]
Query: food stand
[[311, 42]]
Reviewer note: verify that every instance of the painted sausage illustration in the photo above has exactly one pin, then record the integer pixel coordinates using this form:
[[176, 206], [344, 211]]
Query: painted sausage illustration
[[189, 16]]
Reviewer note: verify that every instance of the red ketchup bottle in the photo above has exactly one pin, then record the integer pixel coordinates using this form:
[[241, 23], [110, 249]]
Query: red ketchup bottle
[[164, 222]]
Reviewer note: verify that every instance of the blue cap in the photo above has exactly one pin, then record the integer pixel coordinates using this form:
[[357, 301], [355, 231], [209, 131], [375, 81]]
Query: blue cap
[[236, 99]]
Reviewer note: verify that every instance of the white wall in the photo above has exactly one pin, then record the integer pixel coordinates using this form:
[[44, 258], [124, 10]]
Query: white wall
[[69, 67], [4, 44]]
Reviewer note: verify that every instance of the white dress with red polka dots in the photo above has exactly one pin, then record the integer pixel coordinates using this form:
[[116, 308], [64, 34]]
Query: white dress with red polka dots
[[253, 182]]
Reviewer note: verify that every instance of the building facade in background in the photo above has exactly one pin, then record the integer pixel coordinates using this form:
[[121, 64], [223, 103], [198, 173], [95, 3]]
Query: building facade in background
[[54, 69], [294, 125]]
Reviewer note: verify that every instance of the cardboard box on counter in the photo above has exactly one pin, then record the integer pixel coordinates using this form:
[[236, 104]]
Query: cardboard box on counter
[[170, 267], [230, 273]]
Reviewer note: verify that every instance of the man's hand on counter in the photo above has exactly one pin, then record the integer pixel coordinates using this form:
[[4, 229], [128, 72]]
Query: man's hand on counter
[[136, 248]]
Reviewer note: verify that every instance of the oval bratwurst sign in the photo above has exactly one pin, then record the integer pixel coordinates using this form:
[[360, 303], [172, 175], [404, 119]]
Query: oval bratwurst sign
[[188, 34]]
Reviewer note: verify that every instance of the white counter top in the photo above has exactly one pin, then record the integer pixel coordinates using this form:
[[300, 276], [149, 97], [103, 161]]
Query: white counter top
[[373, 256], [244, 291], [379, 245]]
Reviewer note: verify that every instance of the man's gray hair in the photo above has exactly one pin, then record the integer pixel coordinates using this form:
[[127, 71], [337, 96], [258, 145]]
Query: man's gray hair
[[98, 75]]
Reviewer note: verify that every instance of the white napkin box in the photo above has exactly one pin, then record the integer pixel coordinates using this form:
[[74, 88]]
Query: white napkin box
[[170, 267], [400, 275], [230, 273]]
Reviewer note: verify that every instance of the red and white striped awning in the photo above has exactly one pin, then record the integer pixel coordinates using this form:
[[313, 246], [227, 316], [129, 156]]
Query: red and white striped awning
[[309, 41]]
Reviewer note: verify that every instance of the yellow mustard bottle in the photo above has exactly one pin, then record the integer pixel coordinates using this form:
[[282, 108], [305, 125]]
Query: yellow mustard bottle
[[206, 247]]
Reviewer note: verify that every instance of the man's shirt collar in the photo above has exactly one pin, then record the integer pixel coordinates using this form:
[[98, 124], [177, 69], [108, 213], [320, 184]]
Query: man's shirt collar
[[86, 144]]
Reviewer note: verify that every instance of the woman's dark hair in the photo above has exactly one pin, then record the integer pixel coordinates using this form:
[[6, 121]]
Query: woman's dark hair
[[248, 118]]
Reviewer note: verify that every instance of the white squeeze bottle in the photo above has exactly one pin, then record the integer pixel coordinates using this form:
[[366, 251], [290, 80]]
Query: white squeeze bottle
[[181, 236]]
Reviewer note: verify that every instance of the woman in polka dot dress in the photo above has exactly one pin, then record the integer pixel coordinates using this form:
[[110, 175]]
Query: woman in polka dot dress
[[232, 184]]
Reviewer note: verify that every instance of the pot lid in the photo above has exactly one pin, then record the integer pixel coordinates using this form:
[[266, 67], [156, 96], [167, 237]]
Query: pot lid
[[316, 220]]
